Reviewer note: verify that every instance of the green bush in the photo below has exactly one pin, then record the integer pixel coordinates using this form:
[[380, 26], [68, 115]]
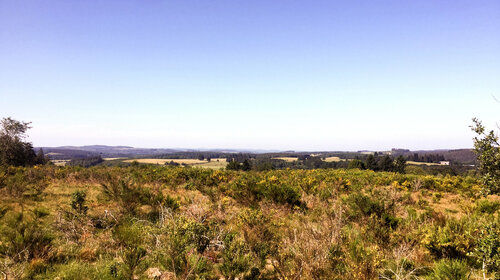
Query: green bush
[[447, 269], [361, 205], [128, 196], [487, 206], [25, 238], [235, 256], [454, 240], [78, 201]]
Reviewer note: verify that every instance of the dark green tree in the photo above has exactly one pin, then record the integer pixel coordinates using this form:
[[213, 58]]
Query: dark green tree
[[40, 157], [371, 163], [356, 163], [78, 201], [13, 148], [246, 166], [233, 165], [386, 163], [400, 164]]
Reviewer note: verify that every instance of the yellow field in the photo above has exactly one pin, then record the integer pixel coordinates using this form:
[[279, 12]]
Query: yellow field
[[214, 164], [333, 159], [288, 159]]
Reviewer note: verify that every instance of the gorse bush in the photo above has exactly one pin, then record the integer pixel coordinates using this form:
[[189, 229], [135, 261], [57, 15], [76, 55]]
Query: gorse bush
[[236, 257], [454, 240]]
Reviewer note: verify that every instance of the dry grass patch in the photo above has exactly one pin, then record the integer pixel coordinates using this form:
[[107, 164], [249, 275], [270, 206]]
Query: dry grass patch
[[333, 159], [59, 162], [166, 160], [287, 159]]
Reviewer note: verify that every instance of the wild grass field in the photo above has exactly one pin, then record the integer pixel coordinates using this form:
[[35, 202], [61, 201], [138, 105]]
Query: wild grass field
[[165, 222]]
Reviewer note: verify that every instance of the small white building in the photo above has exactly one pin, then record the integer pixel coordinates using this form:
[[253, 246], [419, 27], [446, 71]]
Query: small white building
[[444, 163]]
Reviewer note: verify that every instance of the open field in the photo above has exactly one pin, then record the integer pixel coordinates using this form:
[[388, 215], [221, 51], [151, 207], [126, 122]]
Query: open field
[[287, 159], [423, 163], [193, 223], [59, 162], [333, 159], [216, 163]]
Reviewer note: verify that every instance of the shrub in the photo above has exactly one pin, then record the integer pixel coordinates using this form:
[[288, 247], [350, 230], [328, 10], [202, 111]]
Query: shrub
[[450, 270], [78, 200], [487, 252], [25, 238], [132, 256], [127, 195], [336, 259], [260, 234], [487, 206], [362, 205], [454, 240], [23, 183], [235, 257]]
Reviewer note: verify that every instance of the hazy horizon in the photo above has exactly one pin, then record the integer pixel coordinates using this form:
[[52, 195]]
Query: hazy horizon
[[266, 75], [202, 149]]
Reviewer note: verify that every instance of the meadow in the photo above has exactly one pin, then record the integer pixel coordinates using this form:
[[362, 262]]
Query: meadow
[[164, 222]]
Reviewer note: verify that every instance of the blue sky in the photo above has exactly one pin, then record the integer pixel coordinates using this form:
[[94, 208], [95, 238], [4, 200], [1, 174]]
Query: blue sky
[[302, 75]]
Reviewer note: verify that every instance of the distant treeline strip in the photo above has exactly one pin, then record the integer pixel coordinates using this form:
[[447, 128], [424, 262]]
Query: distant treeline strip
[[86, 162]]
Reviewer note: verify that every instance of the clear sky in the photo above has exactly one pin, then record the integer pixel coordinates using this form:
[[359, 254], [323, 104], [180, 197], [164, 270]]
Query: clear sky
[[260, 74]]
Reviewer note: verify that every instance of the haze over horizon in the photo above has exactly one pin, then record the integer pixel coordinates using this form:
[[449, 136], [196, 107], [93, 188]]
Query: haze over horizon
[[274, 75]]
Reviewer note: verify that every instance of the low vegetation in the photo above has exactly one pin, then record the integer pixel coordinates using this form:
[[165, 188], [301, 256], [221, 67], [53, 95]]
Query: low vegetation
[[149, 221], [371, 220]]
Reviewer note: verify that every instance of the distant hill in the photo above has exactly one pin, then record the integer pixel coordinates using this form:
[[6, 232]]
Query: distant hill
[[463, 156], [72, 152], [78, 152]]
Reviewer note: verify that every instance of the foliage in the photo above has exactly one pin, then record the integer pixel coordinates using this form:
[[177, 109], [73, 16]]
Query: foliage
[[487, 206], [450, 270], [235, 256], [488, 249], [236, 165], [487, 148], [13, 149], [78, 201], [85, 162], [454, 240], [356, 163], [24, 238], [400, 164], [127, 196]]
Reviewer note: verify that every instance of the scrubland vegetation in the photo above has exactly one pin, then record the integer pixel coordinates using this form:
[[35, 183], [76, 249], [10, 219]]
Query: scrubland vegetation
[[149, 222], [143, 221]]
